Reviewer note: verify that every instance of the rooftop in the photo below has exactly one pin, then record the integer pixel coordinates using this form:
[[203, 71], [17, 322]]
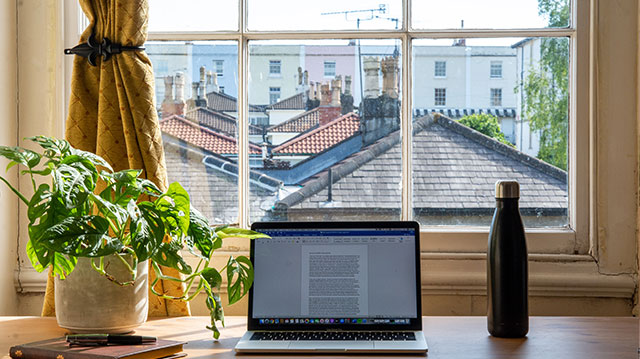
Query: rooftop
[[295, 102], [203, 137], [222, 102], [298, 124], [218, 121], [323, 137]]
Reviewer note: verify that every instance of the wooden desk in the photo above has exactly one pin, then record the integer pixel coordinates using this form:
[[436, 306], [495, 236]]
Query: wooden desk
[[448, 337]]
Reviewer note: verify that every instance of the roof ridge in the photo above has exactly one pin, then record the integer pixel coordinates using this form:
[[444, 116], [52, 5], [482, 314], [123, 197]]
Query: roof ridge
[[296, 117], [315, 130], [214, 112], [207, 130], [341, 169], [500, 147], [273, 105]]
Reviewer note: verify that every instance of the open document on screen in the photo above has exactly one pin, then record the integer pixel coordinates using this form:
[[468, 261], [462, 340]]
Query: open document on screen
[[335, 273]]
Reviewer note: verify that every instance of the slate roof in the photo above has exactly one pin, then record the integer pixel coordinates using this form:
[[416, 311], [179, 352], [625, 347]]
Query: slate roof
[[300, 123], [218, 121], [295, 102], [454, 167], [202, 137], [323, 137], [460, 112], [223, 102]]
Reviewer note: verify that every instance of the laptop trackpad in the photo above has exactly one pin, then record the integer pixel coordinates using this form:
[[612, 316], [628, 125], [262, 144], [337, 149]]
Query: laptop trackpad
[[330, 345]]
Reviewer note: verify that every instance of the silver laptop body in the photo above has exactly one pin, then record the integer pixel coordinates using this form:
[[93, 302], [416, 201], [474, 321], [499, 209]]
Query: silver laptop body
[[335, 287]]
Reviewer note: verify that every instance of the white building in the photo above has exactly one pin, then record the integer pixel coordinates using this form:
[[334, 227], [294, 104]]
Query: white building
[[528, 56]]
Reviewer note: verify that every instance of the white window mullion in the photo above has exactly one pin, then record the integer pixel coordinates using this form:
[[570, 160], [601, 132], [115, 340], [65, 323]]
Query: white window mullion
[[243, 116], [405, 127]]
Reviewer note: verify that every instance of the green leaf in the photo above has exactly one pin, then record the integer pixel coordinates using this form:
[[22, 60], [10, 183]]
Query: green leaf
[[178, 200], [20, 155], [200, 234], [34, 257], [92, 158], [239, 277], [63, 265], [168, 255], [215, 310], [39, 203], [146, 230], [85, 236], [212, 276], [225, 232], [54, 148]]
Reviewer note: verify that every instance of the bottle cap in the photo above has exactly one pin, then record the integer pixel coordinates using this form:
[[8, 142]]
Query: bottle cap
[[507, 189]]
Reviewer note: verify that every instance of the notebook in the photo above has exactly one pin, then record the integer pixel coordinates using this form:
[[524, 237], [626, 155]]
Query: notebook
[[335, 287], [57, 348]]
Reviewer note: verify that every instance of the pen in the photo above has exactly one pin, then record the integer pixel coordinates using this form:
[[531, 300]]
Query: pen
[[106, 339]]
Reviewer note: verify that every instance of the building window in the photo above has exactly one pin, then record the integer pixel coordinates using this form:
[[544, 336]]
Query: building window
[[496, 69], [221, 89], [440, 97], [218, 67], [496, 97], [274, 94], [440, 69], [329, 69], [275, 67]]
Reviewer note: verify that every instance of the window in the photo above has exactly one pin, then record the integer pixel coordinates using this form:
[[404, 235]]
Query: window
[[218, 67], [221, 89], [496, 97], [440, 97], [496, 69], [274, 67], [329, 69], [440, 69], [375, 67], [274, 94]]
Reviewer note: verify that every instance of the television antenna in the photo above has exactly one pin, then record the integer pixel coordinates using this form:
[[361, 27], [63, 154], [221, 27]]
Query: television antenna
[[364, 15]]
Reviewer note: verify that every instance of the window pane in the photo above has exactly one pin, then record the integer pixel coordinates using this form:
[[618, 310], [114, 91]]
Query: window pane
[[490, 14], [524, 113], [324, 15], [320, 129], [199, 121], [193, 15]]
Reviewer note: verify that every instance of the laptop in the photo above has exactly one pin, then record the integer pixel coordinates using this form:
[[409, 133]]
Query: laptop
[[335, 287]]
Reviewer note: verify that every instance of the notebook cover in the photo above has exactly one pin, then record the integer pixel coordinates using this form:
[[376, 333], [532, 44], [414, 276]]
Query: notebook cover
[[58, 348]]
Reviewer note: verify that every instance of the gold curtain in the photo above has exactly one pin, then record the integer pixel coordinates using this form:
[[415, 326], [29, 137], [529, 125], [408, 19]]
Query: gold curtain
[[112, 113]]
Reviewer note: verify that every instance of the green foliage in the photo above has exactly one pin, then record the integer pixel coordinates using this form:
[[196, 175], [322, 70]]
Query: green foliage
[[486, 124], [88, 210], [546, 100]]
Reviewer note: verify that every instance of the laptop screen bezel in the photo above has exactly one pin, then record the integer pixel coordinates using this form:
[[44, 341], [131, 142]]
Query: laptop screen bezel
[[414, 323]]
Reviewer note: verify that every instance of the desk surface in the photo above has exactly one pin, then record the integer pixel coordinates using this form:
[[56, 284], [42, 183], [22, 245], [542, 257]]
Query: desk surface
[[448, 337]]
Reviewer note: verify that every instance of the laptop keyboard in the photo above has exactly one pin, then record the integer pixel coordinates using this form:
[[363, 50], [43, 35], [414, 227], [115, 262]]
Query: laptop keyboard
[[316, 336]]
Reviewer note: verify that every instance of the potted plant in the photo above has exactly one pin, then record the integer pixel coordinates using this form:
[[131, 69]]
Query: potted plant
[[90, 211]]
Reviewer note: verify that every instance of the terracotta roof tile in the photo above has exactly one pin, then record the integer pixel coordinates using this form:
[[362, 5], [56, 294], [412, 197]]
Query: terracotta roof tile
[[218, 121], [295, 102], [301, 123], [202, 137], [322, 138]]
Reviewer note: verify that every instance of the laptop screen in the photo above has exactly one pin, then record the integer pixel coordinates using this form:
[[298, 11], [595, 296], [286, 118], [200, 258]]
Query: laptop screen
[[358, 275]]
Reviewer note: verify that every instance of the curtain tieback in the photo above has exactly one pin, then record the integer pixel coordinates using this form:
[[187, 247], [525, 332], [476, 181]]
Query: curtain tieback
[[92, 49]]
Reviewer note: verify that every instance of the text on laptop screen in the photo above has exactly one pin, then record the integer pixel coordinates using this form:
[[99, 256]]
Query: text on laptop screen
[[363, 276]]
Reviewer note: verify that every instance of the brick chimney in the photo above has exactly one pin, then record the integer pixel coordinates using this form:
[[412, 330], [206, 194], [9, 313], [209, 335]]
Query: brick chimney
[[179, 103], [390, 76], [167, 106], [371, 66], [330, 101]]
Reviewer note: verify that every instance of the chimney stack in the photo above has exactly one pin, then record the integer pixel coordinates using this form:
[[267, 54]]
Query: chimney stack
[[201, 100], [329, 108], [179, 100], [371, 66], [390, 76], [167, 107]]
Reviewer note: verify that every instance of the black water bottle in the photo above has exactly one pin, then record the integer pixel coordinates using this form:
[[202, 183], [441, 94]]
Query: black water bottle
[[507, 272]]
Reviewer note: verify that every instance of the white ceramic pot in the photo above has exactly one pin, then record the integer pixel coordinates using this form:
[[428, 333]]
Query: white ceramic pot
[[87, 302]]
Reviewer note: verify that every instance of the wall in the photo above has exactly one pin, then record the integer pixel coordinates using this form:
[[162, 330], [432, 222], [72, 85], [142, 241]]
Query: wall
[[8, 136]]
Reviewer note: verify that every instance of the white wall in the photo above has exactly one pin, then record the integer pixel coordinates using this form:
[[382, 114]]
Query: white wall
[[8, 136]]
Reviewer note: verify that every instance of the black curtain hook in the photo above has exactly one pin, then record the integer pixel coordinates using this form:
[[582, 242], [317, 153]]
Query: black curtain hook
[[92, 49]]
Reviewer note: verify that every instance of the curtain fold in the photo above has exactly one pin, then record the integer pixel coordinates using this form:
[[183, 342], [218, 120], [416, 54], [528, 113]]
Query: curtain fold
[[112, 113]]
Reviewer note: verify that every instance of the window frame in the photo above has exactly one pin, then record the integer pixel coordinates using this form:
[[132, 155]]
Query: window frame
[[435, 69], [495, 101], [273, 91], [272, 65], [439, 96], [219, 65], [575, 239], [324, 65], [491, 75]]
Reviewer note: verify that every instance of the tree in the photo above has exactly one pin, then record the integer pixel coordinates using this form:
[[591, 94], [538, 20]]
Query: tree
[[546, 100], [486, 124]]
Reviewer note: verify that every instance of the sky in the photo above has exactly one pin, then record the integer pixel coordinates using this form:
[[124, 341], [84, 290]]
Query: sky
[[212, 15]]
